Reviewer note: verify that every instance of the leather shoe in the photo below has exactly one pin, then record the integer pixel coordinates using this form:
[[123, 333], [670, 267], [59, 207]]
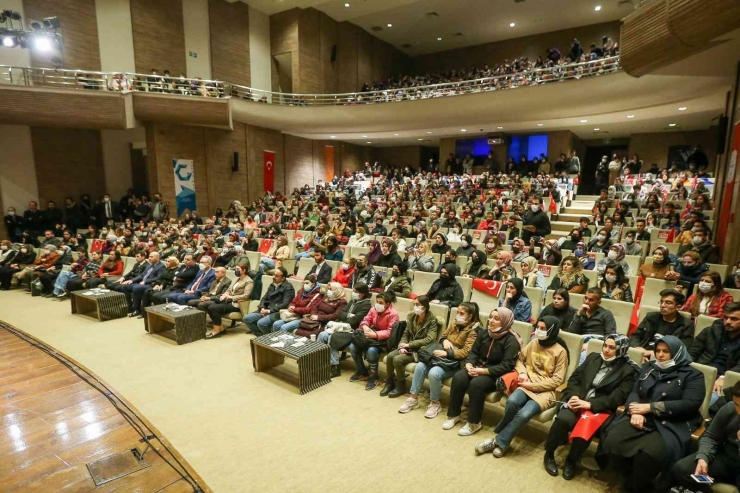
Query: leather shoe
[[335, 371], [551, 466], [569, 470], [398, 391], [389, 386], [214, 335]]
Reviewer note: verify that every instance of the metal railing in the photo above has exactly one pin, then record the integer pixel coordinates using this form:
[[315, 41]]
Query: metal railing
[[183, 86]]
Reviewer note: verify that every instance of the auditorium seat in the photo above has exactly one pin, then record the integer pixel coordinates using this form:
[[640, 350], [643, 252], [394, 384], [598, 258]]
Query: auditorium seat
[[702, 322], [423, 281], [653, 287], [710, 376], [595, 345]]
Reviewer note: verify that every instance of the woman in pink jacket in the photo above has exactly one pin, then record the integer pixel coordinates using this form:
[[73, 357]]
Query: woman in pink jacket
[[376, 327]]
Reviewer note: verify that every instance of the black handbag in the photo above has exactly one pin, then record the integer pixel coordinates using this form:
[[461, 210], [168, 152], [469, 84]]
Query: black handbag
[[340, 340], [426, 356], [360, 341]]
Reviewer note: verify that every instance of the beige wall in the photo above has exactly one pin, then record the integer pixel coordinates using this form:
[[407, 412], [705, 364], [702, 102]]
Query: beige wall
[[116, 41], [197, 38], [18, 183], [159, 37], [116, 147], [529, 46], [653, 147], [259, 50], [397, 155]]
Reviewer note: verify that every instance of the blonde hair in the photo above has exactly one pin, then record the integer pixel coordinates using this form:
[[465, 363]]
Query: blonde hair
[[173, 261]]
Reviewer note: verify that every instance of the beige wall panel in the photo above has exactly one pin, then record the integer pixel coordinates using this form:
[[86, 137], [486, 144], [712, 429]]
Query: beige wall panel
[[159, 36], [230, 50]]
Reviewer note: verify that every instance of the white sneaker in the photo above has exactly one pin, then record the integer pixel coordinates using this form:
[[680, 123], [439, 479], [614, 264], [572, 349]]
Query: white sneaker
[[469, 429], [433, 410], [485, 446], [409, 405], [450, 423]]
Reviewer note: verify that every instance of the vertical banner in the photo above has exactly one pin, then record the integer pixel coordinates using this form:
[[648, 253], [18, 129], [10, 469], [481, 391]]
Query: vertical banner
[[328, 163], [268, 158], [726, 217], [184, 184]]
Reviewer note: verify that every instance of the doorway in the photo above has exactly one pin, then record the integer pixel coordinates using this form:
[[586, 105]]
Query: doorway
[[284, 67], [592, 158]]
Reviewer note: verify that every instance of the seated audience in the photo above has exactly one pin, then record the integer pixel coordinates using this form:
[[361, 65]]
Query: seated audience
[[660, 267], [302, 304], [446, 290], [560, 308], [81, 270], [614, 255], [570, 277], [688, 272], [587, 261], [183, 276], [701, 244], [279, 250], [220, 304], [278, 296], [502, 271], [710, 299], [388, 255], [371, 339], [325, 311], [614, 284], [517, 300], [365, 273], [531, 275], [398, 282], [321, 270], [476, 266], [345, 272], [631, 247]]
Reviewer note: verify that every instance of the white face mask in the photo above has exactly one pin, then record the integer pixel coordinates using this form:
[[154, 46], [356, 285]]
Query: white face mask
[[534, 208], [629, 240], [307, 286], [664, 365], [461, 319], [355, 296], [418, 310], [611, 278], [608, 359], [24, 250], [345, 267], [202, 266], [697, 240], [705, 287], [4, 247], [612, 255], [464, 244], [379, 308], [540, 334], [330, 293]]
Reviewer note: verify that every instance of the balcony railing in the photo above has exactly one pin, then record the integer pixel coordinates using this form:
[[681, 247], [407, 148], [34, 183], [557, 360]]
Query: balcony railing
[[126, 82]]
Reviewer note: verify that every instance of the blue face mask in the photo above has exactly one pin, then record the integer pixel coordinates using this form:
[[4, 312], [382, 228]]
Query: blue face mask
[[578, 252]]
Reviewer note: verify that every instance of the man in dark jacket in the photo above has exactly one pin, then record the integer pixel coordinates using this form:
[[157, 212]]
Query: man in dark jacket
[[446, 290], [33, 219], [278, 296], [667, 322], [320, 269], [719, 346], [702, 245], [364, 273], [52, 215], [535, 221], [184, 275], [13, 225]]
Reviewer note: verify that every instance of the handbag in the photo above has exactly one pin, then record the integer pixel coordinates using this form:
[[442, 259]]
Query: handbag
[[287, 316], [37, 288], [360, 341], [340, 340], [309, 325], [426, 355]]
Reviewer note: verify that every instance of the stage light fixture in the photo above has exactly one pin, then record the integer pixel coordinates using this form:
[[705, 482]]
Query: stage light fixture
[[51, 23], [42, 43], [10, 41]]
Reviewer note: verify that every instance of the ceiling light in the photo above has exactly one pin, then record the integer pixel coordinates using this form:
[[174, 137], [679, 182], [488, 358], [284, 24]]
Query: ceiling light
[[346, 5], [429, 132], [584, 121], [364, 136], [500, 128], [596, 129], [630, 116], [42, 43], [671, 124], [463, 130], [390, 25], [332, 136], [512, 24], [597, 8], [369, 142], [682, 108], [419, 139], [540, 124], [9, 41], [439, 39], [396, 135]]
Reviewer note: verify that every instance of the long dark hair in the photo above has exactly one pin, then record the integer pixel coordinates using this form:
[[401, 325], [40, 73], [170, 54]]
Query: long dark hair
[[472, 309]]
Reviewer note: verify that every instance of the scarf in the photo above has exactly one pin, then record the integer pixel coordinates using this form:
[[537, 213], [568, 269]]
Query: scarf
[[679, 354], [623, 344], [507, 321], [568, 279], [373, 257], [553, 331]]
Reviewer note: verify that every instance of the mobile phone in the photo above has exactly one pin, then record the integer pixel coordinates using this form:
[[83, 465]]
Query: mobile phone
[[671, 268], [700, 478]]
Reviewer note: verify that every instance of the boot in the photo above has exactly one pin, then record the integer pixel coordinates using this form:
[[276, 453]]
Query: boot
[[335, 371], [390, 384], [399, 390]]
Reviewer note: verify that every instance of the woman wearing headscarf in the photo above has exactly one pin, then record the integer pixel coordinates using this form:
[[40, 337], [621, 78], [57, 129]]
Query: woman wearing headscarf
[[466, 247], [388, 255], [446, 290], [661, 412], [324, 311], [541, 368], [440, 244], [517, 300], [595, 390], [614, 254], [549, 254], [503, 270], [493, 354], [301, 305], [531, 275], [476, 266], [570, 277], [581, 253], [398, 281], [517, 248], [601, 242], [250, 244], [455, 345], [560, 308], [660, 267], [374, 251]]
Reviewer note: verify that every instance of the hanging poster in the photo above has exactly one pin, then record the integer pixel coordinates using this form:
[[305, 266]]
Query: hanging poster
[[184, 184]]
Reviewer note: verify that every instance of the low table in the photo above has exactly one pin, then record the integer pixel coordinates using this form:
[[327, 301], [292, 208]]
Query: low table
[[182, 326], [314, 366], [103, 305]]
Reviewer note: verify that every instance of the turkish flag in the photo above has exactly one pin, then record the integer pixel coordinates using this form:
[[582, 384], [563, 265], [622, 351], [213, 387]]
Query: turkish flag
[[97, 245], [265, 245], [667, 235], [269, 170], [553, 205], [634, 320], [491, 288], [588, 424]]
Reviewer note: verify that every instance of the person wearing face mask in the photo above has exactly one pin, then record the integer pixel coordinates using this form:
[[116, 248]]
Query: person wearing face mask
[[710, 298], [466, 247], [614, 255], [518, 251], [493, 245], [455, 345], [541, 368], [549, 253], [6, 252], [279, 294], [701, 244], [661, 412], [595, 390], [476, 266], [493, 354], [45, 261], [572, 240], [228, 302], [398, 282], [365, 273], [345, 272], [600, 243], [615, 285], [688, 272], [660, 266], [581, 253], [325, 311], [13, 224], [422, 328], [446, 290], [14, 264], [631, 247], [535, 222], [375, 329], [302, 304], [570, 277], [379, 229], [201, 282]]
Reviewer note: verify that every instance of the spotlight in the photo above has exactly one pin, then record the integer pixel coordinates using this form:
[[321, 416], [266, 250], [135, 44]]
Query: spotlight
[[9, 41], [42, 43], [35, 26], [51, 23]]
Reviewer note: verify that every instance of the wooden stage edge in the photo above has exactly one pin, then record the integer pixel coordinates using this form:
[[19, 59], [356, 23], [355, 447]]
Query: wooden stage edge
[[52, 423]]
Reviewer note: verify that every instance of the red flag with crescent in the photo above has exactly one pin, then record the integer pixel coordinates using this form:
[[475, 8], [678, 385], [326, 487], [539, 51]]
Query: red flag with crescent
[[588, 424], [491, 288], [269, 170]]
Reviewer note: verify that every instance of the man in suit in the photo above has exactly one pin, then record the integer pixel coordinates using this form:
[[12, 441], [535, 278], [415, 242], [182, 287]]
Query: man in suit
[[201, 281], [134, 288], [320, 269], [184, 275], [13, 225], [33, 219], [106, 211], [278, 296], [137, 269], [212, 295]]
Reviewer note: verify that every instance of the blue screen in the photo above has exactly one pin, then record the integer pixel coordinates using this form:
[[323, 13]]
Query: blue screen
[[527, 145], [474, 147]]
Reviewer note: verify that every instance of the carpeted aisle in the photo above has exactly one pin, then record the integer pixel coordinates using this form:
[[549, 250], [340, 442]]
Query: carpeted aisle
[[243, 431]]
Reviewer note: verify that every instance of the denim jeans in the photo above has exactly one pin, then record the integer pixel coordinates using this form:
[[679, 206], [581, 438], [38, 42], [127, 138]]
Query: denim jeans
[[62, 281], [520, 408], [259, 325], [372, 354], [301, 255], [324, 338], [436, 375], [266, 263], [286, 326]]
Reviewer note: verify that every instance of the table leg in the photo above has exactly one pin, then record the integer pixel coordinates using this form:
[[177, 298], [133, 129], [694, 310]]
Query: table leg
[[264, 358]]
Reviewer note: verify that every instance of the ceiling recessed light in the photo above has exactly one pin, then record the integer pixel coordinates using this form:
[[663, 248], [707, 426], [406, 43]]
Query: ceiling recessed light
[[364, 136], [682, 108], [369, 142], [396, 135], [439, 39], [500, 128], [390, 25], [597, 8], [540, 124], [463, 130], [671, 124], [346, 5], [429, 132], [630, 116], [512, 24], [584, 121], [332, 136], [596, 129], [419, 139]]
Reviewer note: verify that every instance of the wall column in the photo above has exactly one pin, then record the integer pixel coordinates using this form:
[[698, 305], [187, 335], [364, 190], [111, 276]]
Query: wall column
[[115, 35], [197, 38], [259, 50]]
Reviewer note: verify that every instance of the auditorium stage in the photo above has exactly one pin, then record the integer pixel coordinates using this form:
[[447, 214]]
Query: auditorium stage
[[243, 431]]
